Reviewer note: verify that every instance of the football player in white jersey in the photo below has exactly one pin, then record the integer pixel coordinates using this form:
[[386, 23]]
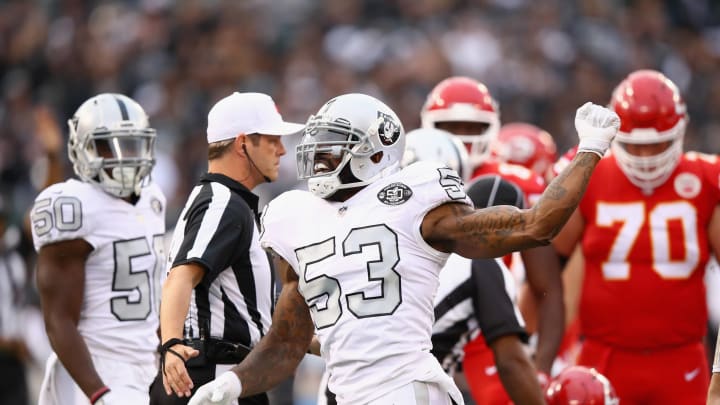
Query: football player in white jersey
[[360, 252], [100, 252]]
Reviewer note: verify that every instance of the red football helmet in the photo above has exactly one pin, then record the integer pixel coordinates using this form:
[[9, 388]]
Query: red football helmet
[[526, 145], [562, 163], [578, 385], [462, 99], [651, 111]]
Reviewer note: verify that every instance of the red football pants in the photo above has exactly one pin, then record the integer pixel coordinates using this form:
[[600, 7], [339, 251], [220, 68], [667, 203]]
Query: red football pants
[[678, 375], [481, 374]]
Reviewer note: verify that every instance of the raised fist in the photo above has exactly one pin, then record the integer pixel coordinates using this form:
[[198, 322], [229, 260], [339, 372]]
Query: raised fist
[[596, 127]]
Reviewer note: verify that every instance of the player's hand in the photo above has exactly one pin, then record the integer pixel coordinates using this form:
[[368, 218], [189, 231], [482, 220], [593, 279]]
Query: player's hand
[[110, 398], [596, 127], [175, 376], [221, 391], [48, 131]]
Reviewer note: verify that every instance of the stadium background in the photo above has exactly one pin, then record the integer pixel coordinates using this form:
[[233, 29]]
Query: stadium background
[[540, 59]]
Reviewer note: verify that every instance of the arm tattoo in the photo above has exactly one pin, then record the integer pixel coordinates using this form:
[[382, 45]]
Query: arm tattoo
[[563, 194], [493, 225], [584, 162], [278, 353], [502, 229]]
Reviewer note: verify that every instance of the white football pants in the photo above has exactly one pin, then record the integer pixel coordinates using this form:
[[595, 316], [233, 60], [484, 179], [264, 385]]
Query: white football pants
[[131, 382]]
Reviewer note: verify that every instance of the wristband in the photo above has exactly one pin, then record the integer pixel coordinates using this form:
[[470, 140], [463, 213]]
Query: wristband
[[596, 146], [166, 347], [99, 393], [170, 343]]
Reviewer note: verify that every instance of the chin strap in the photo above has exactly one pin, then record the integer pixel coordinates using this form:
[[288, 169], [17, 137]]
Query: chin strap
[[267, 179]]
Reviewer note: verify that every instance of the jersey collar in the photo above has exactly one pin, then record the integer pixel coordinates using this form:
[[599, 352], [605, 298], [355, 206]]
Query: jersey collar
[[247, 195]]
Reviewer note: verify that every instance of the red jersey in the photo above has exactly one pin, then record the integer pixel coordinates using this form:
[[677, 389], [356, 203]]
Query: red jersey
[[564, 161], [645, 256], [530, 183]]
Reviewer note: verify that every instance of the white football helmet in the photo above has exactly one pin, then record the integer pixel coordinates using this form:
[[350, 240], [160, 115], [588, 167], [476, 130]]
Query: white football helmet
[[358, 129], [431, 144], [111, 144]]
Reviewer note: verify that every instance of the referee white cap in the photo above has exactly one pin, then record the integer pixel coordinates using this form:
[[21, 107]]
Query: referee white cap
[[247, 113]]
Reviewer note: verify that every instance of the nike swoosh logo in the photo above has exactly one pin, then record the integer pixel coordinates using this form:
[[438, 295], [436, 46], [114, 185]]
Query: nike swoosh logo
[[491, 370], [690, 375]]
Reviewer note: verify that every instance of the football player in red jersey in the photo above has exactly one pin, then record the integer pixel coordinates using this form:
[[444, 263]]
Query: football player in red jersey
[[647, 226], [465, 108], [524, 144]]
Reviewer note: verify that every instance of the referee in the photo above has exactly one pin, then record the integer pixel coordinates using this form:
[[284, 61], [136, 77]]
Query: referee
[[218, 298]]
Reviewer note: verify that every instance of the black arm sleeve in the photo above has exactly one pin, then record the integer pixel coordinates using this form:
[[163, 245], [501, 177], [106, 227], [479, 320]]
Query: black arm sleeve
[[496, 313]]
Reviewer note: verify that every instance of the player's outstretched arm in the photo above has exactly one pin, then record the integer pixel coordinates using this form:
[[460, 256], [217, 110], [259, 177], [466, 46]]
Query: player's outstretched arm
[[275, 357], [278, 354], [516, 371], [498, 230], [61, 280]]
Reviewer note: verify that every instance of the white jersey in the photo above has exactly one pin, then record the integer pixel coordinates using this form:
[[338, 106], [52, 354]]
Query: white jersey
[[119, 314], [716, 359], [367, 275]]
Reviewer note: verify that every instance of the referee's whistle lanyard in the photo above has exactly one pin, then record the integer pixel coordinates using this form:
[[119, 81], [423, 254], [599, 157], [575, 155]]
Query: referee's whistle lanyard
[[204, 331]]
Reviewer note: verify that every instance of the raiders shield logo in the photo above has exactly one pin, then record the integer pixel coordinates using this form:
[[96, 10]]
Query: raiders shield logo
[[389, 130], [395, 194]]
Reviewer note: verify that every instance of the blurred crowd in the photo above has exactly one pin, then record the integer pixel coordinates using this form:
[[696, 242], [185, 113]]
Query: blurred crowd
[[540, 59]]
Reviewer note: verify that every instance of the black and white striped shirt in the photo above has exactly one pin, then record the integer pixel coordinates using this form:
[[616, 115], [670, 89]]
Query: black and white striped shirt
[[218, 230], [474, 295]]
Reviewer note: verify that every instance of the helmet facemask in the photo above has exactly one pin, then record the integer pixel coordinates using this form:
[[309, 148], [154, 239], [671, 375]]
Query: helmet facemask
[[365, 146], [116, 155], [649, 172]]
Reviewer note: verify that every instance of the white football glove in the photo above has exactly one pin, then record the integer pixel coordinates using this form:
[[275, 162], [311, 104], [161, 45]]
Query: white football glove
[[596, 127], [221, 391], [110, 398]]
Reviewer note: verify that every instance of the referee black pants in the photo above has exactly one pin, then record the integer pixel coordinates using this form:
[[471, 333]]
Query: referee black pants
[[200, 375], [13, 387]]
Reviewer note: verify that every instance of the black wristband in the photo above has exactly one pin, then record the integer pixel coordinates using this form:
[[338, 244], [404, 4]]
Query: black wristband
[[168, 344], [166, 347]]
